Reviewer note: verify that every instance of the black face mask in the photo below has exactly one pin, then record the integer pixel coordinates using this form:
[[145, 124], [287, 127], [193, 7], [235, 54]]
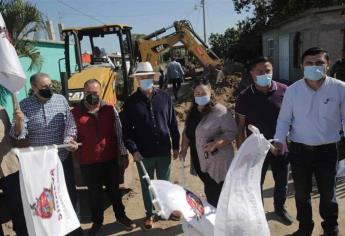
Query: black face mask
[[45, 93], [92, 99]]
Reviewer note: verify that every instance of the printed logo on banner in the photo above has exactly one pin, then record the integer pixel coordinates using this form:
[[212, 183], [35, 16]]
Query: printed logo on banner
[[47, 202], [195, 203], [4, 33], [44, 205]]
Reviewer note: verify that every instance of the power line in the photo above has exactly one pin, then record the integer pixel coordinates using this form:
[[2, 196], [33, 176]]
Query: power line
[[81, 12]]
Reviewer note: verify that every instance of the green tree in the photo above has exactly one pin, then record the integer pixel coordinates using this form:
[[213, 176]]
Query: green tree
[[224, 44], [22, 19], [277, 10], [244, 42]]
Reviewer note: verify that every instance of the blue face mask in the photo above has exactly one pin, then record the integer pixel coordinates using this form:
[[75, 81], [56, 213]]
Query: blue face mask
[[146, 84], [314, 72], [203, 100], [264, 80]]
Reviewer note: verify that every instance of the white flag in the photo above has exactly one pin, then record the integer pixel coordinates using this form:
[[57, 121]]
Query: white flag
[[198, 216], [47, 206], [240, 211], [12, 76]]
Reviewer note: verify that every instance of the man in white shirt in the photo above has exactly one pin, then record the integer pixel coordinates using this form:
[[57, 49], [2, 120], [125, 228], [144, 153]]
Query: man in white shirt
[[311, 115]]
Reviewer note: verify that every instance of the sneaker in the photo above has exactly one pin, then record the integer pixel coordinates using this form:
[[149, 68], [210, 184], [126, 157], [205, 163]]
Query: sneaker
[[127, 223], [284, 216], [96, 227], [148, 224]]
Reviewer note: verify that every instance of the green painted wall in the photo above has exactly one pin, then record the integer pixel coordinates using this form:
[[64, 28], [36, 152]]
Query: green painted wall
[[51, 52]]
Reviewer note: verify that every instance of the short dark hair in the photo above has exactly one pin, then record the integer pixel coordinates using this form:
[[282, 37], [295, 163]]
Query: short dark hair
[[258, 60], [91, 81], [314, 51], [36, 76]]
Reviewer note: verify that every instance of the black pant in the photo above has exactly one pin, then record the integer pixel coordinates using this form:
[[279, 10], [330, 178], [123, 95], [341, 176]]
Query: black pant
[[279, 166], [176, 86], [1, 231], [11, 189], [68, 169], [95, 175], [212, 189], [322, 162]]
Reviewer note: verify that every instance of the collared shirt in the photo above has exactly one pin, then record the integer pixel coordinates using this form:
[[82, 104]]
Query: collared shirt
[[261, 109], [312, 117], [174, 70], [47, 123], [150, 125], [118, 127]]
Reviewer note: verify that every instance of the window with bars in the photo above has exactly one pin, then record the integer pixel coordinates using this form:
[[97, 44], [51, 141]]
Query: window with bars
[[270, 48]]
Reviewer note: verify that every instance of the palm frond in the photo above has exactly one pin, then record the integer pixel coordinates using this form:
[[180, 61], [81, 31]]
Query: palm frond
[[26, 48]]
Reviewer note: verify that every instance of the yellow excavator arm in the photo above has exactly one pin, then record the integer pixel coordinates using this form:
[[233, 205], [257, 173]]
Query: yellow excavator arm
[[149, 49]]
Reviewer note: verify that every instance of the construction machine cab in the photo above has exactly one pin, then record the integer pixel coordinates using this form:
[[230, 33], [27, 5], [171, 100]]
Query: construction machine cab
[[114, 78]]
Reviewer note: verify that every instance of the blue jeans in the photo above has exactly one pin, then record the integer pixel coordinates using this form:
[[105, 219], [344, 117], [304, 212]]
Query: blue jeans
[[320, 161], [280, 167]]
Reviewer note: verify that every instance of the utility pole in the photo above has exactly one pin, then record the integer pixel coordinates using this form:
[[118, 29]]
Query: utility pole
[[203, 13]]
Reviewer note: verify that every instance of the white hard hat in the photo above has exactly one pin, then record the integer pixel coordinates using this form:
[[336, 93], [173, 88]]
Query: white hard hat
[[144, 68]]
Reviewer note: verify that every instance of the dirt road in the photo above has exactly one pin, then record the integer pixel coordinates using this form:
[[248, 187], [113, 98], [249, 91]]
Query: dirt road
[[135, 208]]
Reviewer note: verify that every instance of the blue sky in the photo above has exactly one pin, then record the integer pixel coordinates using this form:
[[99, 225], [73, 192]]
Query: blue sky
[[145, 16]]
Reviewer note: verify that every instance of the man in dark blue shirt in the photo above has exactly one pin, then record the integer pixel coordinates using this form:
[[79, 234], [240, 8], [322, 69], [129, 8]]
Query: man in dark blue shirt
[[150, 131]]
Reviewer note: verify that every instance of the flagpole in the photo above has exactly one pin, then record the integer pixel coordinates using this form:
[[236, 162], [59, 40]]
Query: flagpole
[[30, 149], [15, 102], [155, 201]]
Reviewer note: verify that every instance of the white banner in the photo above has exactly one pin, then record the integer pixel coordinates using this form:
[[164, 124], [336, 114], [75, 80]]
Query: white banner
[[12, 76], [198, 216], [240, 211], [47, 207]]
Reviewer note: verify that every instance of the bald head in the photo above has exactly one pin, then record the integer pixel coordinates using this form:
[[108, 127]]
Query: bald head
[[92, 86]]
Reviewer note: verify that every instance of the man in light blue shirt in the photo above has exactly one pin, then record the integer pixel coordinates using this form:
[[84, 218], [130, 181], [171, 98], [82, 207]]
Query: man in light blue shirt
[[311, 115], [175, 75]]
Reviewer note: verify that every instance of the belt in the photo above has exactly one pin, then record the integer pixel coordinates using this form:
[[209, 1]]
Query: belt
[[313, 147]]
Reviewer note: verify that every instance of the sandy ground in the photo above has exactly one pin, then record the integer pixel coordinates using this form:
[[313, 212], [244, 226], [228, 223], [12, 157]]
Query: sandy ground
[[135, 208]]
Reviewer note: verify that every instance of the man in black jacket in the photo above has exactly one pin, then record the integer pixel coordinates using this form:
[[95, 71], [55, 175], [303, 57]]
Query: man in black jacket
[[150, 131]]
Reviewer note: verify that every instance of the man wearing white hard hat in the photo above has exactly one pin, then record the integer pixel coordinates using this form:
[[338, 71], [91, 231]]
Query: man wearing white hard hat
[[150, 130]]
